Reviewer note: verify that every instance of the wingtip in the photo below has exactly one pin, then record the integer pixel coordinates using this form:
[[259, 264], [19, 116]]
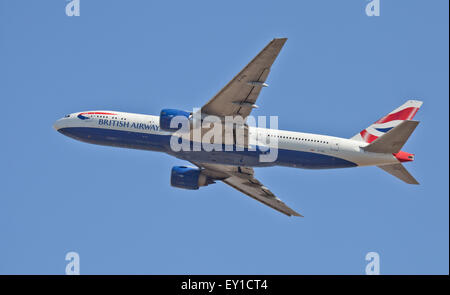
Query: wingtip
[[284, 39]]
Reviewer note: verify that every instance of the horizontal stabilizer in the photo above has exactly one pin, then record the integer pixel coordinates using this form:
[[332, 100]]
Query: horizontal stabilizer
[[399, 171], [394, 140]]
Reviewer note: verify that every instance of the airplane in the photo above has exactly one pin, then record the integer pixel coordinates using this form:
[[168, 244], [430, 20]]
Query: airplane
[[378, 145]]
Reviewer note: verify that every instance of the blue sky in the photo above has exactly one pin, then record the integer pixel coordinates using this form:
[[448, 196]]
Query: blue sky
[[338, 72]]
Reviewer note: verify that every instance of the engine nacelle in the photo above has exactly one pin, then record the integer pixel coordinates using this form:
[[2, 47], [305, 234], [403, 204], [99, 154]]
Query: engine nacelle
[[188, 178], [166, 117]]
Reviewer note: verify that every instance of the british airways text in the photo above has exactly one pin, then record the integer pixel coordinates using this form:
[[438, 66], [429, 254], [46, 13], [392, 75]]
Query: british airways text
[[141, 126]]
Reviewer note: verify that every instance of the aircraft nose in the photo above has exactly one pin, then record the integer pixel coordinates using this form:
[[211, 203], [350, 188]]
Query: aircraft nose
[[57, 125]]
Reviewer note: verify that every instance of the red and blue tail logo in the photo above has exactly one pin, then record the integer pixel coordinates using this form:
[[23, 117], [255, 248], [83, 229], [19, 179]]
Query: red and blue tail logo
[[391, 120]]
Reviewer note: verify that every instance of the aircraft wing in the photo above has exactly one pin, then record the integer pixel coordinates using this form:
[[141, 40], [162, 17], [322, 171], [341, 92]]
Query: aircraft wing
[[242, 179], [238, 97]]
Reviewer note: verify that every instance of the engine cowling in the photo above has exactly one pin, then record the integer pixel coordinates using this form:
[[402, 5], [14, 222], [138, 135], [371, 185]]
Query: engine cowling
[[188, 178], [166, 117]]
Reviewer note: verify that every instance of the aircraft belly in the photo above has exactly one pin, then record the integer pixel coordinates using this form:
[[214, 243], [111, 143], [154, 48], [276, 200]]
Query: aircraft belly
[[287, 158], [157, 142]]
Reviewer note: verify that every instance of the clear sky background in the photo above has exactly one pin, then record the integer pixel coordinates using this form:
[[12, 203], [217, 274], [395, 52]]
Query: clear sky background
[[338, 72]]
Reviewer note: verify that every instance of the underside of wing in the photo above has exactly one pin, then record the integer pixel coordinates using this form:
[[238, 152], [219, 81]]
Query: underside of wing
[[238, 97], [242, 179]]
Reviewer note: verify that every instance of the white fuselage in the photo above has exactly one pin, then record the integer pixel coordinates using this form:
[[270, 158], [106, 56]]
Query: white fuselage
[[295, 149]]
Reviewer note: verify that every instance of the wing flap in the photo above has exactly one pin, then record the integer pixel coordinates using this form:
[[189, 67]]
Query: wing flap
[[260, 194], [242, 179]]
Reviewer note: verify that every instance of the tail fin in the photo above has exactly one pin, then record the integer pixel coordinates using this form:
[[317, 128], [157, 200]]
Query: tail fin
[[399, 171], [391, 120]]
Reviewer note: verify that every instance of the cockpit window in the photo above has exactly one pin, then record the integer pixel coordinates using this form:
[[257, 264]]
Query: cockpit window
[[67, 116]]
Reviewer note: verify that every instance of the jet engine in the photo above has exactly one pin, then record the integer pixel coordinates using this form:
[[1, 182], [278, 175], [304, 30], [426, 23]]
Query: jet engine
[[189, 178], [166, 116]]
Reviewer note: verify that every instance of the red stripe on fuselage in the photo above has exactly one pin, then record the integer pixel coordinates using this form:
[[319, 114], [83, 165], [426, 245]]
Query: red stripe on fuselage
[[97, 113], [405, 114]]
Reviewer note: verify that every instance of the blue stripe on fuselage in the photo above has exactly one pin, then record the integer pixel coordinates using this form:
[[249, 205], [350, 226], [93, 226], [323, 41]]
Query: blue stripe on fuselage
[[161, 143]]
